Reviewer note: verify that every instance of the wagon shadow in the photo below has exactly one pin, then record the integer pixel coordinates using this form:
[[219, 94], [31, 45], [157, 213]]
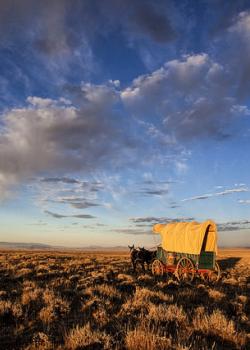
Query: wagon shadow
[[229, 263]]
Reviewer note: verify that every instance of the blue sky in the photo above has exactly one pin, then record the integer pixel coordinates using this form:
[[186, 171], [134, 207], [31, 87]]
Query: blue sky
[[116, 115]]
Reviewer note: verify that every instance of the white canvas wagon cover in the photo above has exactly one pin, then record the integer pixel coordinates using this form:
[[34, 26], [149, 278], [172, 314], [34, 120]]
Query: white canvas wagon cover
[[188, 237]]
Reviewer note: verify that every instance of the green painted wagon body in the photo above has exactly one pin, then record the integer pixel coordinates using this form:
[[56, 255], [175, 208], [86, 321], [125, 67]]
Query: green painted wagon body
[[204, 260]]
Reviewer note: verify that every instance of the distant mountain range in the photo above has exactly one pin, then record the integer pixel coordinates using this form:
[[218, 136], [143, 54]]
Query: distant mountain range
[[17, 245], [41, 246]]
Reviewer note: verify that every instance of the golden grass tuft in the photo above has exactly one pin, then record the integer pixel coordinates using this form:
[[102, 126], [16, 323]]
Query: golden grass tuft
[[81, 337], [5, 307], [167, 313], [219, 325], [216, 294], [55, 309], [141, 339]]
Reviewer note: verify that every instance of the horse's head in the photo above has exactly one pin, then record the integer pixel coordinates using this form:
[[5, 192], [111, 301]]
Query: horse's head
[[132, 247]]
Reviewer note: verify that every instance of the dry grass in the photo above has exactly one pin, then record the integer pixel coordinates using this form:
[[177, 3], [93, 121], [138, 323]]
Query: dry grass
[[60, 300]]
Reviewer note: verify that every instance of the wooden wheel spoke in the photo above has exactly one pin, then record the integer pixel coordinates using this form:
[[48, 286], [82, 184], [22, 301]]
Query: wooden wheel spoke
[[185, 270], [157, 268]]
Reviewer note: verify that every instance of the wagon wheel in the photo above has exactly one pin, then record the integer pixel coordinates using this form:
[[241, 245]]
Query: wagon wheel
[[157, 268], [204, 276], [185, 270], [214, 276]]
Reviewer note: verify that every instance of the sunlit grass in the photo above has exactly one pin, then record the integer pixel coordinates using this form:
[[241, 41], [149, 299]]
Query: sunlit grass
[[78, 301]]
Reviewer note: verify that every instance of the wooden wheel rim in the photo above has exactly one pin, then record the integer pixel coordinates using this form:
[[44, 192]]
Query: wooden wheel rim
[[157, 268], [185, 270]]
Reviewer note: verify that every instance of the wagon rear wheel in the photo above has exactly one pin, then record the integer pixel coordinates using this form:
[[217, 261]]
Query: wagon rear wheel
[[214, 276], [157, 268], [185, 270]]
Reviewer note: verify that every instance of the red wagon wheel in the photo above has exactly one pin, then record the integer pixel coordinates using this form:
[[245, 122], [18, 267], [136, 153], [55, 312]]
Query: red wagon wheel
[[185, 270], [157, 268], [214, 276]]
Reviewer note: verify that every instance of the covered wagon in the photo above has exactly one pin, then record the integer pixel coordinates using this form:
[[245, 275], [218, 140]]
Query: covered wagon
[[187, 249]]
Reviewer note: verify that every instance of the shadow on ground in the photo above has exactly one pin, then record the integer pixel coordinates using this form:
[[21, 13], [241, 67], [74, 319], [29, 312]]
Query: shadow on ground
[[229, 263]]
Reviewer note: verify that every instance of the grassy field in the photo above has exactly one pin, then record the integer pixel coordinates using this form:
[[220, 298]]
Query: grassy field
[[72, 300]]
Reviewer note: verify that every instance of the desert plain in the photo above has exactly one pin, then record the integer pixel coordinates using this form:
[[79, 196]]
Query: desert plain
[[93, 300]]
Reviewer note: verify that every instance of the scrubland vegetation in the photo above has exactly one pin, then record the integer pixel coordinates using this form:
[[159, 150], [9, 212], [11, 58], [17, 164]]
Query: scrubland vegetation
[[52, 300]]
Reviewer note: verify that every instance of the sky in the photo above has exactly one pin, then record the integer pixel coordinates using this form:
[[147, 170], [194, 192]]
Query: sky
[[119, 114]]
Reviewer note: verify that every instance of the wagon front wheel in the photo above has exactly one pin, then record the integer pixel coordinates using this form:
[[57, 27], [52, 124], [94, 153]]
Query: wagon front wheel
[[214, 276], [185, 270], [157, 268]]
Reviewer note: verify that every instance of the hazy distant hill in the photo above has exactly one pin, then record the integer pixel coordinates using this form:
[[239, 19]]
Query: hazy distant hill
[[41, 246], [16, 245], [96, 247]]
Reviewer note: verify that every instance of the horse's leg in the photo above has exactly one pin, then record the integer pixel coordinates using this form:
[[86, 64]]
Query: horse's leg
[[134, 265], [143, 266]]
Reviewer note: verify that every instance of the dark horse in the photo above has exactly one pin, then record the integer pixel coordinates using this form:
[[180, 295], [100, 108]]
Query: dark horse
[[133, 255], [141, 256], [146, 257]]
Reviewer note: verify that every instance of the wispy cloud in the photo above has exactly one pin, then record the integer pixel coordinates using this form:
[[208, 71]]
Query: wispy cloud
[[67, 191], [216, 194], [66, 180], [132, 231], [83, 216], [154, 188], [244, 201], [174, 205], [40, 223], [60, 216], [149, 192], [163, 220], [86, 185], [155, 182], [76, 202], [83, 205], [55, 215], [234, 225]]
